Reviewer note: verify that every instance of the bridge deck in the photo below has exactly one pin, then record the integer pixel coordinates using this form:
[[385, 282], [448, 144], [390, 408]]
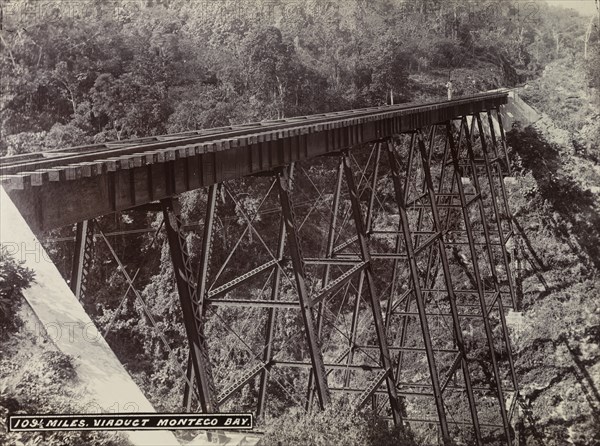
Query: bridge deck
[[64, 186]]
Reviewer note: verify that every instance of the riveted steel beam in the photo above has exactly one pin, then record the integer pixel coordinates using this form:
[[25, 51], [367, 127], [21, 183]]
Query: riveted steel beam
[[192, 306], [370, 287], [82, 258], [295, 251], [455, 152]]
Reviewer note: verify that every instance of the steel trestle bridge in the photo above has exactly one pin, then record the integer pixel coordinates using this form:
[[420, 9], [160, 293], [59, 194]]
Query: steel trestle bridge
[[396, 269]]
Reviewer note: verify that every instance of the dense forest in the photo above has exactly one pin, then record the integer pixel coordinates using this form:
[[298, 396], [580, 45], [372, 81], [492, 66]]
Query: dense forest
[[100, 70], [103, 70]]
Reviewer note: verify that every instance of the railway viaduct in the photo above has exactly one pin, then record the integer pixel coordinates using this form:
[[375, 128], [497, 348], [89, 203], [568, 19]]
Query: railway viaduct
[[376, 305]]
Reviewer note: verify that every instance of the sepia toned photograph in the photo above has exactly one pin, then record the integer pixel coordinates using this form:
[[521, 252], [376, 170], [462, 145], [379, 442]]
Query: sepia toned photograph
[[299, 222]]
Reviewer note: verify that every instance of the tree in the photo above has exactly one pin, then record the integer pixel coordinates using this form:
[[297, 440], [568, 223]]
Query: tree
[[269, 64], [389, 66], [13, 279]]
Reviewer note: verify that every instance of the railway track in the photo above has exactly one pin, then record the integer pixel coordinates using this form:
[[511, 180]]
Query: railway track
[[64, 186], [215, 139]]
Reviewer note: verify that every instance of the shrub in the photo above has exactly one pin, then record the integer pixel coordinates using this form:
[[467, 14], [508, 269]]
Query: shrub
[[334, 425], [13, 279]]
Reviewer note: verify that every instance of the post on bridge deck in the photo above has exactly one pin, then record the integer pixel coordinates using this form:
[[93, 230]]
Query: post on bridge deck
[[191, 301]]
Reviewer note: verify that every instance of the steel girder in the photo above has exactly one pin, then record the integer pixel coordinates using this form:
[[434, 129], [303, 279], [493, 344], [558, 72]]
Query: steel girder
[[415, 264], [82, 257], [192, 298]]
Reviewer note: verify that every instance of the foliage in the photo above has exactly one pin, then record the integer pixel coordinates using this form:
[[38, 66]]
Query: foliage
[[147, 68], [573, 210], [42, 383], [557, 218], [326, 427], [34, 380], [13, 279]]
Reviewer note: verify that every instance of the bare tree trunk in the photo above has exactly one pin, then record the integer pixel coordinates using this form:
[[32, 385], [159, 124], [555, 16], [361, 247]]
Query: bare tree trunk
[[454, 25], [585, 44], [586, 38], [71, 95]]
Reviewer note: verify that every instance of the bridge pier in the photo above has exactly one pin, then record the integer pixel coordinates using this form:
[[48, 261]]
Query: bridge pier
[[370, 287], [461, 360], [455, 152], [192, 302], [271, 316], [295, 249], [326, 278]]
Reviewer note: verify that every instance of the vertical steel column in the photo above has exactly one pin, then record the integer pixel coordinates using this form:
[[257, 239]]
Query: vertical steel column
[[333, 223], [202, 280], [188, 389], [447, 158], [493, 197], [432, 259], [495, 147], [354, 329], [209, 219], [480, 289], [393, 280], [405, 321], [489, 245], [375, 306], [504, 196], [191, 299], [326, 272], [270, 326], [368, 229], [414, 272], [295, 249], [369, 222], [503, 140], [81, 257], [480, 204], [458, 336]]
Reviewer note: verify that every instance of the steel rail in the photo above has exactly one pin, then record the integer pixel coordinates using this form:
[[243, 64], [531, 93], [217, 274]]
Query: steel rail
[[57, 157]]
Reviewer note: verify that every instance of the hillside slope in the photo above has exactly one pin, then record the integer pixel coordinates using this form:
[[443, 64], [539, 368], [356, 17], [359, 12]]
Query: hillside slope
[[556, 204]]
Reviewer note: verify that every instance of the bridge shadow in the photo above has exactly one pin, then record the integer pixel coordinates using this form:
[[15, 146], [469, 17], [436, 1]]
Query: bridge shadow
[[580, 219], [578, 226], [585, 380]]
